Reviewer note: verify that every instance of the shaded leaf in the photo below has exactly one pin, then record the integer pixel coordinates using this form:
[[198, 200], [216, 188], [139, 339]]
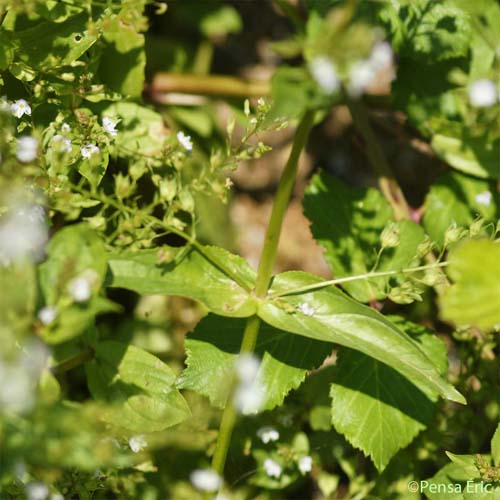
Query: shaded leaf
[[347, 223], [460, 199], [139, 387], [214, 346], [377, 409]]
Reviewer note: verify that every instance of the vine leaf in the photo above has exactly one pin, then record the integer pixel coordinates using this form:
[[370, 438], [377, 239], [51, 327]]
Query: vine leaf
[[376, 408], [189, 274], [139, 387], [334, 317], [213, 348], [347, 223], [474, 298]]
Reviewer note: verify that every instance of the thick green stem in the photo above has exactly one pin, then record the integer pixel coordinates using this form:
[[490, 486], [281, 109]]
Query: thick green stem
[[264, 274], [280, 205]]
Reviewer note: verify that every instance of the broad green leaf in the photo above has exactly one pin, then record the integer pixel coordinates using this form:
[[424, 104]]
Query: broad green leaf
[[71, 251], [347, 223], [456, 198], [474, 297], [495, 446], [329, 315], [94, 168], [426, 29], [214, 346], [49, 45], [140, 130], [468, 151], [377, 409], [123, 59], [190, 274], [139, 387], [74, 252]]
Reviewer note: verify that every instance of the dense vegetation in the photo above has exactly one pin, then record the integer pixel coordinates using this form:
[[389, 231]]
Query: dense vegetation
[[158, 340]]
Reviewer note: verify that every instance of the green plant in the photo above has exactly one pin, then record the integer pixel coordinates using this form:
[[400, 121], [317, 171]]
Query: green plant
[[102, 193]]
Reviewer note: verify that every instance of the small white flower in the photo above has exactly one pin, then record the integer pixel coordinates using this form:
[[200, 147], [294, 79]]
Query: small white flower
[[205, 480], [272, 468], [484, 198], [247, 366], [20, 108], [88, 150], [305, 464], [63, 144], [361, 75], [137, 443], [27, 149], [268, 434], [306, 309], [324, 72], [80, 289], [109, 125], [47, 314], [37, 491], [65, 128], [381, 56], [482, 93], [185, 141], [249, 398], [23, 233]]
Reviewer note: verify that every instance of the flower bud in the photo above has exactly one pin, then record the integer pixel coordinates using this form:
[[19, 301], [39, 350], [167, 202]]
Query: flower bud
[[453, 234], [405, 294], [390, 236], [425, 247], [475, 227]]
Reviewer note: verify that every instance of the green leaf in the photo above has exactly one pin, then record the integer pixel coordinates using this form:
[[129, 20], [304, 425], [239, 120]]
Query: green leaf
[[190, 274], [464, 149], [221, 22], [495, 446], [334, 317], [140, 388], [123, 59], [377, 409], [426, 29], [73, 252], [454, 198], [50, 45], [347, 223], [474, 297], [140, 130], [214, 346], [446, 484]]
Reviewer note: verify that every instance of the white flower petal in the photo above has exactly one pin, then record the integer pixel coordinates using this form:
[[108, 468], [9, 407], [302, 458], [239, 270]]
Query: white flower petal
[[482, 93], [324, 72], [205, 480]]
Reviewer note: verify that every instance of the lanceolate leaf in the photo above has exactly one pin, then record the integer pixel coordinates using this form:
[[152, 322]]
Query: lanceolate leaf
[[333, 317], [189, 274], [347, 223], [474, 298], [377, 409], [138, 386], [213, 348]]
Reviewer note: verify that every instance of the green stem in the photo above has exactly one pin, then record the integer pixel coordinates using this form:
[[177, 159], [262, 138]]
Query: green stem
[[73, 362], [387, 183], [280, 205], [338, 281], [264, 274]]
